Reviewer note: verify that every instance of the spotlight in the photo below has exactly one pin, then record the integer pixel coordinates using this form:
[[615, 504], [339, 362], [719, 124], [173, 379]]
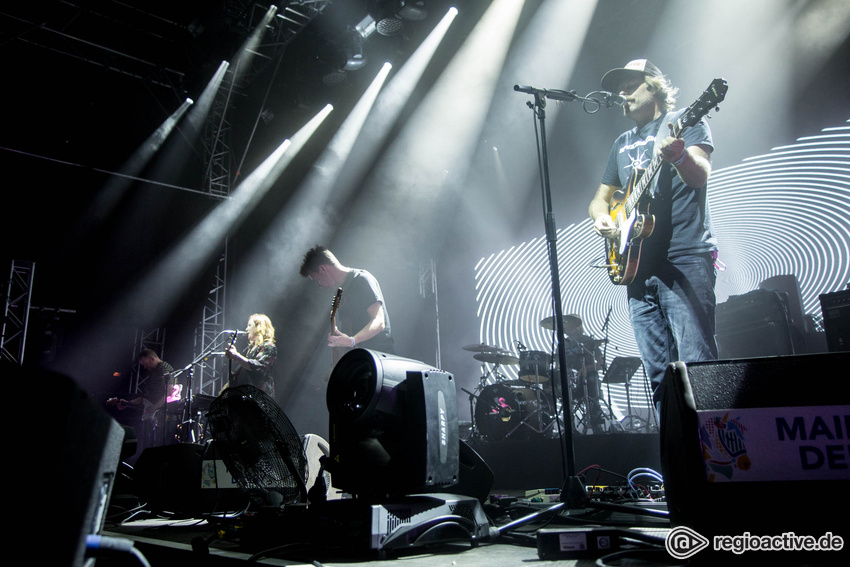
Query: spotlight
[[390, 25], [334, 78], [365, 27], [393, 425], [355, 58], [413, 11]]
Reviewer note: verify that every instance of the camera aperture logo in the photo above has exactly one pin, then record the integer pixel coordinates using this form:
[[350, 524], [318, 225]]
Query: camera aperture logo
[[683, 542]]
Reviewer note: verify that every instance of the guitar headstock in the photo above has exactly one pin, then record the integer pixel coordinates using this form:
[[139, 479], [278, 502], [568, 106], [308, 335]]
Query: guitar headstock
[[710, 99]]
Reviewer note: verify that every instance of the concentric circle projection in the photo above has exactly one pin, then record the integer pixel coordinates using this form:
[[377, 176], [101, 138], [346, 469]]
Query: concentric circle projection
[[786, 213], [783, 213]]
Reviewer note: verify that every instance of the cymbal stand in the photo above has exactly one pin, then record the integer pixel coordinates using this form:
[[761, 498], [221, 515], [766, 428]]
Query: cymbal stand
[[606, 413], [494, 373], [556, 425]]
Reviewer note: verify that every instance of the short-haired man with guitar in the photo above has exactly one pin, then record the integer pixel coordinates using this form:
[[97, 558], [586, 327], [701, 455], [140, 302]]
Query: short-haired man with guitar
[[652, 208], [361, 319]]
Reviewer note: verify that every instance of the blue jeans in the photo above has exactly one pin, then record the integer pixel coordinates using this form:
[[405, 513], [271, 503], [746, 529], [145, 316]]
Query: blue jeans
[[672, 314]]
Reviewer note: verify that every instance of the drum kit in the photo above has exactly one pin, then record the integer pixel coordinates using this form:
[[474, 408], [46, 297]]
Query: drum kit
[[503, 409]]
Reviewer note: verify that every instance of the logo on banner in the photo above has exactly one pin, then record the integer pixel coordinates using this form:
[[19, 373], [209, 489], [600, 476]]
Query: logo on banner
[[724, 447], [785, 443]]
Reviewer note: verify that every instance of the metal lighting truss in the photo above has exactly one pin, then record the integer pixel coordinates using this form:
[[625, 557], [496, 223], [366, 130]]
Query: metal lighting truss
[[16, 311]]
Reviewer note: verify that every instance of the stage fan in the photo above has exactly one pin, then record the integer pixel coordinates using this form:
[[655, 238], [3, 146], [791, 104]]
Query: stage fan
[[259, 446]]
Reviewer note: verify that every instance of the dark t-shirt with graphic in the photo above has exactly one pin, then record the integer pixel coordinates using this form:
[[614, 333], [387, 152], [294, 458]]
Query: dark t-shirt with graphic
[[682, 215]]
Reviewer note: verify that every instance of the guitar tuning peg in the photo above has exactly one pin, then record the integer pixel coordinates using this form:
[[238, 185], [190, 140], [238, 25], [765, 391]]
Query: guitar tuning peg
[[717, 108]]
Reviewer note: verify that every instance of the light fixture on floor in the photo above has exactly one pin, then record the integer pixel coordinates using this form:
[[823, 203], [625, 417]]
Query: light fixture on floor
[[393, 425]]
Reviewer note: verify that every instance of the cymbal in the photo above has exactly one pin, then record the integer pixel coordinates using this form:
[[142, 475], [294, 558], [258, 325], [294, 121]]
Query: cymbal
[[571, 323], [497, 358], [481, 347]]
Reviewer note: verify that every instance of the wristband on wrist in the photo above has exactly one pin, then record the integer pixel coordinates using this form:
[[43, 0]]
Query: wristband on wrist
[[353, 342], [681, 159]]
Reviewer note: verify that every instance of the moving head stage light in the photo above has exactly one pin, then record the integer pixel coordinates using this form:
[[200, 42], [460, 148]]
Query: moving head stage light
[[394, 446], [393, 425]]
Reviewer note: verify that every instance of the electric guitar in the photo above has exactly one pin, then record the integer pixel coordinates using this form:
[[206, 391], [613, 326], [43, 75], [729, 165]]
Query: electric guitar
[[338, 351], [630, 212]]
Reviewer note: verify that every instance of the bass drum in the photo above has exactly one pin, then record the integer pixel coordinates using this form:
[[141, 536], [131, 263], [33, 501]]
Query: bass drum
[[497, 412], [500, 411]]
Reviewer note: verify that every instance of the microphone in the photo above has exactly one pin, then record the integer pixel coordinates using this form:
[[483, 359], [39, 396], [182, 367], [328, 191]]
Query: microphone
[[553, 94], [235, 332], [613, 99], [520, 346]]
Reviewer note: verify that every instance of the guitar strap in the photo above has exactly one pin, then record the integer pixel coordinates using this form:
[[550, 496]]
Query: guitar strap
[[659, 135]]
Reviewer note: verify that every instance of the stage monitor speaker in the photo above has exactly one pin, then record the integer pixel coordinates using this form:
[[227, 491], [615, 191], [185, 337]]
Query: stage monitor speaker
[[187, 480], [68, 456], [475, 477], [759, 447]]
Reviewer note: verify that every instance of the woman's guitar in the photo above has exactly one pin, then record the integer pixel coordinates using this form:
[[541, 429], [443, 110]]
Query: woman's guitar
[[338, 351], [629, 209]]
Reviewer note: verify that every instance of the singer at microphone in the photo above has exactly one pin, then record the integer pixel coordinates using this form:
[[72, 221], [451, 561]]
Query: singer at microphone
[[255, 364], [670, 278]]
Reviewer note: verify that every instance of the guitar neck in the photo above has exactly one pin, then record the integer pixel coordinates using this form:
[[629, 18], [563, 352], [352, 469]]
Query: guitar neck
[[649, 173]]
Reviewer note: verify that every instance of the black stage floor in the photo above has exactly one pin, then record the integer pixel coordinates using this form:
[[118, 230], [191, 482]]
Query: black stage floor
[[165, 541], [514, 487], [510, 526]]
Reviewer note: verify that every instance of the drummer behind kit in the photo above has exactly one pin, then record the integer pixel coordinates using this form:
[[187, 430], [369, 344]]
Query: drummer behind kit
[[514, 409]]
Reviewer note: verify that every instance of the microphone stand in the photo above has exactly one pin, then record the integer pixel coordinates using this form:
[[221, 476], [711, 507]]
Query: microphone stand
[[573, 494], [218, 342]]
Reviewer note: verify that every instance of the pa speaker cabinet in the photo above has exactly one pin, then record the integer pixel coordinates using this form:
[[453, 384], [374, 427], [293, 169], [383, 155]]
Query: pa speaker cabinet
[[760, 447], [754, 324], [69, 455]]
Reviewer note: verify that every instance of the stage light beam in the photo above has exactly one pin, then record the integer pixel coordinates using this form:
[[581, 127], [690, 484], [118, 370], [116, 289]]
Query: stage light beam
[[306, 215], [159, 290]]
